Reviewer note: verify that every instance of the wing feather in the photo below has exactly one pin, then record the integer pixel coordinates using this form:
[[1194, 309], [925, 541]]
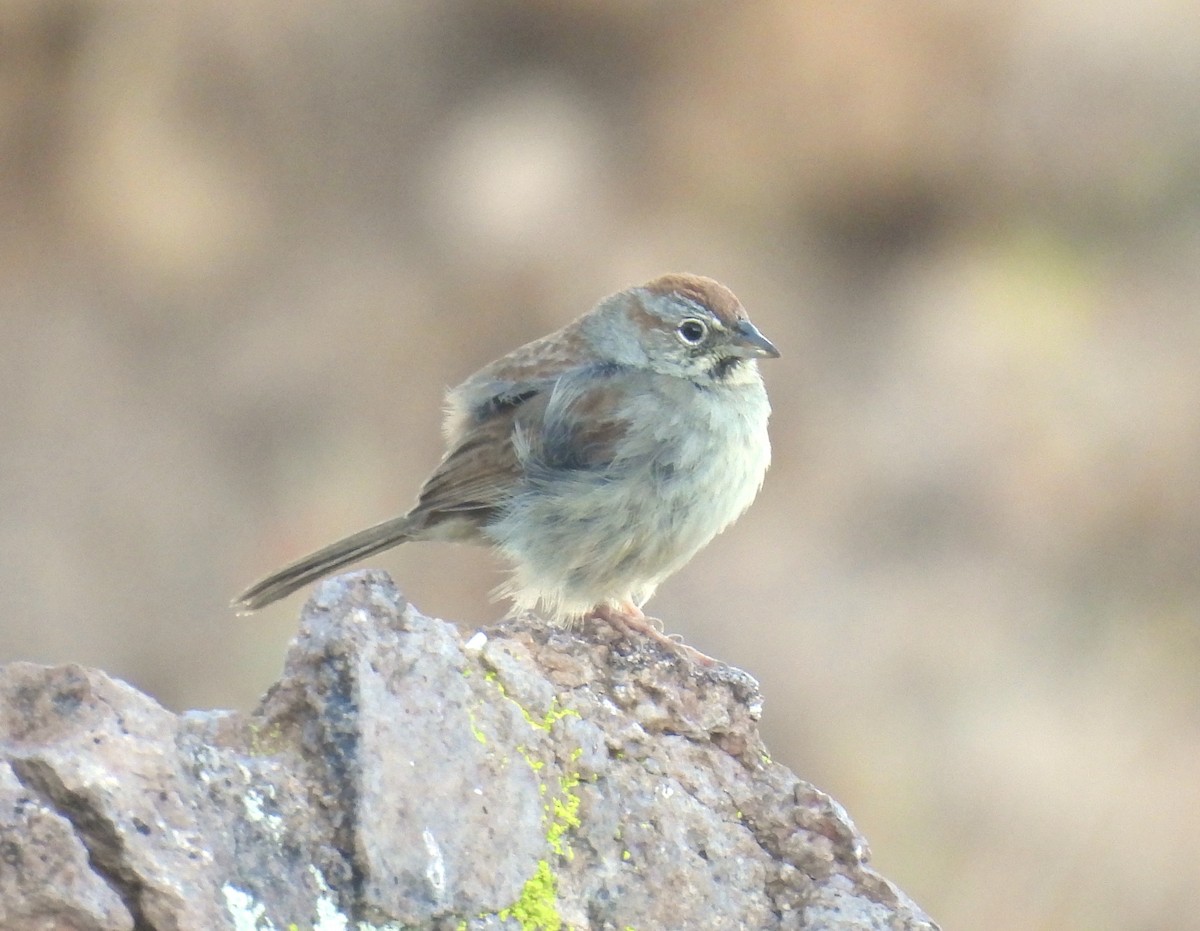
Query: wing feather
[[564, 423]]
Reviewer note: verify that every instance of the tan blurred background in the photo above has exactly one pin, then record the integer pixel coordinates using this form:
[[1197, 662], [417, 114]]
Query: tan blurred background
[[244, 247]]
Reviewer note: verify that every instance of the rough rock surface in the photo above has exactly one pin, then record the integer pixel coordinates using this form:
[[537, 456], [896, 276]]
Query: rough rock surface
[[399, 777]]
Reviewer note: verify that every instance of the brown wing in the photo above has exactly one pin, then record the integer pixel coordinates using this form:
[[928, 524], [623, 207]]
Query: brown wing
[[580, 428], [563, 424], [479, 471]]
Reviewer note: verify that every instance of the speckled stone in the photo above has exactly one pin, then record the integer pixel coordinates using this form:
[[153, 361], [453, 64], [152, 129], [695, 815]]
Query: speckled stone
[[403, 774]]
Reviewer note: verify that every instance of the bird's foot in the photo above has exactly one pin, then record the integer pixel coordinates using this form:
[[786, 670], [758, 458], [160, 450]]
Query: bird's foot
[[628, 619]]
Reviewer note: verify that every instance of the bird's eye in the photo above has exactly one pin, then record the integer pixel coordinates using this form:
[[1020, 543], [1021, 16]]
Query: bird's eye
[[692, 331]]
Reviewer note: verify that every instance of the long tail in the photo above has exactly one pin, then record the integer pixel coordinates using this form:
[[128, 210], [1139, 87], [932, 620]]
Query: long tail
[[325, 560]]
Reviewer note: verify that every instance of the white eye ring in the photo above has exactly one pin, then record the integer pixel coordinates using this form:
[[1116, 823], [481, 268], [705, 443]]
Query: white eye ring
[[692, 332]]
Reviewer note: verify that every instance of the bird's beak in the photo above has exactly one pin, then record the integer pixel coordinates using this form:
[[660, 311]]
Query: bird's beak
[[752, 343]]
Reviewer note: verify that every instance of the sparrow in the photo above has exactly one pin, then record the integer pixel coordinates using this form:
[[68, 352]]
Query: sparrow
[[597, 460]]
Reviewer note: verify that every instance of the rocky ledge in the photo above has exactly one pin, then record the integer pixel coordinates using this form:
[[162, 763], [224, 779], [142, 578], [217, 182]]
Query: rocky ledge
[[401, 776]]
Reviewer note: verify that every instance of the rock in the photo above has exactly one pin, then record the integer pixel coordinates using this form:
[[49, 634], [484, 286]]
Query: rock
[[397, 776]]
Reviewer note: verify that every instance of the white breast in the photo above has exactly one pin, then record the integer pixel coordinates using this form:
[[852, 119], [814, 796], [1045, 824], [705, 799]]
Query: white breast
[[690, 463]]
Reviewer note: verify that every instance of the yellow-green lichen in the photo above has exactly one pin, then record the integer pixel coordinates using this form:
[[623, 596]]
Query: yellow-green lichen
[[527, 755], [476, 730], [265, 739], [537, 908], [556, 712], [566, 815]]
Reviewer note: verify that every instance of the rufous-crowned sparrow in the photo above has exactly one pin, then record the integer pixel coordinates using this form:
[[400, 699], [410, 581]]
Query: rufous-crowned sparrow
[[598, 459]]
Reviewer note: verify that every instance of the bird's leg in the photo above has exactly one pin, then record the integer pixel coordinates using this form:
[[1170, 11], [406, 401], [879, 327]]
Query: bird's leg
[[627, 618]]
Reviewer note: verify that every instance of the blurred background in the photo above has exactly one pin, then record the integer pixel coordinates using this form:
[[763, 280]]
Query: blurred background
[[245, 247]]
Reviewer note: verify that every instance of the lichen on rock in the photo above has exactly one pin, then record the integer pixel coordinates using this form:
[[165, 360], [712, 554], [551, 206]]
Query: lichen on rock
[[399, 777]]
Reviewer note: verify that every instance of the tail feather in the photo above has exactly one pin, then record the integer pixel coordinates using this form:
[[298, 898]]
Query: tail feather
[[324, 561]]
